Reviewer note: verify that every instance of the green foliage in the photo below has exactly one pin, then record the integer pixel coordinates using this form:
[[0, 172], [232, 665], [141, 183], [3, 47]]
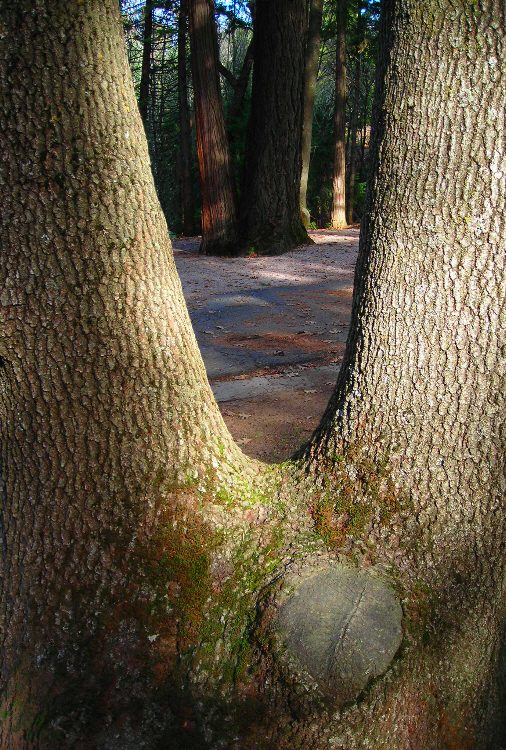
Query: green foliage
[[359, 200]]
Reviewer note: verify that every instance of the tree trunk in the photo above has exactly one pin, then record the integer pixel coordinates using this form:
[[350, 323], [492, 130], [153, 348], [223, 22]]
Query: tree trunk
[[147, 43], [269, 216], [186, 189], [106, 413], [241, 85], [352, 149], [310, 75], [423, 379], [219, 220], [338, 216], [365, 116], [154, 581]]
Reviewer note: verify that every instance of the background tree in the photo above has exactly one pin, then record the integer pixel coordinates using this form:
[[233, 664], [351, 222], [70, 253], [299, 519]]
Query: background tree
[[163, 125], [185, 176], [147, 41], [359, 46], [270, 221], [338, 216], [323, 158], [310, 75], [218, 209], [152, 576]]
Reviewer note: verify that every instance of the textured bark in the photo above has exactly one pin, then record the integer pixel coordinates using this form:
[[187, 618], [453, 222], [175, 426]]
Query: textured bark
[[269, 213], [186, 190], [338, 214], [104, 399], [144, 558], [424, 370], [310, 75], [219, 220], [147, 44]]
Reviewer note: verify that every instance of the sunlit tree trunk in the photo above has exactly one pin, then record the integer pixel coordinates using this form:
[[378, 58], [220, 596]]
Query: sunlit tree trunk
[[152, 577], [219, 226], [105, 409], [338, 215], [269, 215], [310, 75]]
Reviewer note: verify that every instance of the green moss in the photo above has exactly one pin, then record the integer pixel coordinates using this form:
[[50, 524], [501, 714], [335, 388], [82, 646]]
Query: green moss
[[174, 568], [355, 491], [232, 621]]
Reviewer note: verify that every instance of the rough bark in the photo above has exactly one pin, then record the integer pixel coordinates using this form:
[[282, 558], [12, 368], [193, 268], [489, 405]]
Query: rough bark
[[104, 401], [186, 189], [219, 219], [338, 214], [310, 75], [154, 582], [269, 213], [424, 369], [147, 44]]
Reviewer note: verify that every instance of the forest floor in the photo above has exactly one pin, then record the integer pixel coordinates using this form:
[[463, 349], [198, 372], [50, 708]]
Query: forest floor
[[272, 332]]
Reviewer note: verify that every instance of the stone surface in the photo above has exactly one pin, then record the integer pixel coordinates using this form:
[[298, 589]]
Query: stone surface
[[342, 627]]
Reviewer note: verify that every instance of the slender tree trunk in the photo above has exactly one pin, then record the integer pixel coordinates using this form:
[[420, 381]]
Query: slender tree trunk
[[219, 221], [270, 220], [186, 189], [352, 150], [338, 216], [241, 85], [365, 114], [310, 75], [147, 44], [158, 589]]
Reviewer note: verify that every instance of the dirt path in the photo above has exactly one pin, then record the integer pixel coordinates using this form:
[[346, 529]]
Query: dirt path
[[272, 334]]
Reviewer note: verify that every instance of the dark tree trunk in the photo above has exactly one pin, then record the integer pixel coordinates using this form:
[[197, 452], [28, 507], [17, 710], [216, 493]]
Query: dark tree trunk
[[241, 85], [310, 76], [352, 149], [365, 115], [270, 220], [338, 216], [160, 590], [185, 150], [147, 44], [219, 219]]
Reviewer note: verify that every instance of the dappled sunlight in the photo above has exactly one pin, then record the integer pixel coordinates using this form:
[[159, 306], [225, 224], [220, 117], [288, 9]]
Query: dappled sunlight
[[333, 260], [272, 332]]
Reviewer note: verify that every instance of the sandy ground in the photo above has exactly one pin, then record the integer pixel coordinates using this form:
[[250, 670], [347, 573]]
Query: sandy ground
[[272, 332]]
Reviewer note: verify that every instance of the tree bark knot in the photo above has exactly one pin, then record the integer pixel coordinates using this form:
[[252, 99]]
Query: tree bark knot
[[342, 626]]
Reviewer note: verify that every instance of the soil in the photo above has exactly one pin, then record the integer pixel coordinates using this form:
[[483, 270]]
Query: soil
[[272, 332]]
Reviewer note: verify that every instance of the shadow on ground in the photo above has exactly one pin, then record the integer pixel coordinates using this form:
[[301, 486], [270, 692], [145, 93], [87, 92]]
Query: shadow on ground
[[272, 332]]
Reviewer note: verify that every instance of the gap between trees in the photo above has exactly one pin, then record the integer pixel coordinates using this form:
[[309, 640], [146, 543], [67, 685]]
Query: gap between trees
[[277, 133]]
